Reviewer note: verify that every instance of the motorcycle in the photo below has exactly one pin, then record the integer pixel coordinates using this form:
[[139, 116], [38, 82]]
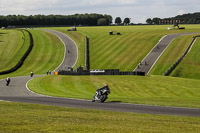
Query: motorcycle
[[101, 94]]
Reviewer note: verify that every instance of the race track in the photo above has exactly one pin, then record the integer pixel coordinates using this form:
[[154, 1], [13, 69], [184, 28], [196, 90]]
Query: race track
[[17, 92], [148, 62]]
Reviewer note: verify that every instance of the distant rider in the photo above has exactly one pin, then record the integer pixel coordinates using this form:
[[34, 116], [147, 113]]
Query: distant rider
[[7, 81], [31, 74]]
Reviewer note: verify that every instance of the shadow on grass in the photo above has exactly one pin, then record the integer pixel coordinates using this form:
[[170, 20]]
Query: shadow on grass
[[114, 101], [3, 33]]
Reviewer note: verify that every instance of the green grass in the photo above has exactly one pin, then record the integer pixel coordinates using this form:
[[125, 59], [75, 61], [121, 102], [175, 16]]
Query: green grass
[[122, 52], [190, 66], [12, 48], [151, 90], [175, 50], [23, 118], [47, 54]]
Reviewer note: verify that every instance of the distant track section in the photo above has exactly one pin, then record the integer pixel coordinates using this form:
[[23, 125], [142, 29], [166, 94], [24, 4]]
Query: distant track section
[[148, 62], [71, 50]]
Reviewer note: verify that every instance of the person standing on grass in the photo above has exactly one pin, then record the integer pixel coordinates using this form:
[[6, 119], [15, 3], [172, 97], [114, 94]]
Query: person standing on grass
[[7, 81], [31, 74], [47, 72]]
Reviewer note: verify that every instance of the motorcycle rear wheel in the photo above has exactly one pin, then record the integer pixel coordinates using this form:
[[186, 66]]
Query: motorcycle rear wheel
[[103, 98]]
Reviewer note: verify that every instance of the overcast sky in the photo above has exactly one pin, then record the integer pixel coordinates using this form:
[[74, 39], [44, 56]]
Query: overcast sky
[[137, 10]]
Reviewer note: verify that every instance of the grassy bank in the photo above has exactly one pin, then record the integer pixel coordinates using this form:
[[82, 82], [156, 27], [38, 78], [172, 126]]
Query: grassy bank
[[175, 50], [190, 66], [152, 90], [13, 46], [47, 54], [16, 117], [123, 51]]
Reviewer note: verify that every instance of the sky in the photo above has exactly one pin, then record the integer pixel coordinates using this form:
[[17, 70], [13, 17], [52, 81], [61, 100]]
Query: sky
[[137, 10]]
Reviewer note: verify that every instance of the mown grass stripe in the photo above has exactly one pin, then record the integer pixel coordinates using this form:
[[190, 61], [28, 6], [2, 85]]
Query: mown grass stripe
[[153, 90]]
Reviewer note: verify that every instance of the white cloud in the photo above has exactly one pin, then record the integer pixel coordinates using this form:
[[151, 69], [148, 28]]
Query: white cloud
[[181, 12], [111, 2]]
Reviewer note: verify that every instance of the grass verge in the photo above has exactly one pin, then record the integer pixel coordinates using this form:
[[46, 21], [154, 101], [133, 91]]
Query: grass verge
[[190, 66], [175, 50], [151, 90], [18, 117], [12, 47]]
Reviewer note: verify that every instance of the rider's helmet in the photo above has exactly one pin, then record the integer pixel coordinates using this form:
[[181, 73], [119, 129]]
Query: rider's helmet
[[106, 85]]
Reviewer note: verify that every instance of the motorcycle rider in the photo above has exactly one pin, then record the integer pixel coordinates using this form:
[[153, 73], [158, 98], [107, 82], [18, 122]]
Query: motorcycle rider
[[99, 91], [7, 81]]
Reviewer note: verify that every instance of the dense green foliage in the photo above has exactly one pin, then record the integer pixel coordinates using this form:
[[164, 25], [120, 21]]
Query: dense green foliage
[[77, 19], [18, 117], [190, 18], [126, 21], [102, 22], [118, 20], [151, 90]]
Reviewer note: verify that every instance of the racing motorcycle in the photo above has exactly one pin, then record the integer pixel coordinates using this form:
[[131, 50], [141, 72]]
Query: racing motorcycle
[[101, 94]]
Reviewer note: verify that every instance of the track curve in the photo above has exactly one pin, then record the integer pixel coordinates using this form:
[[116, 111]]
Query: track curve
[[17, 92], [149, 61]]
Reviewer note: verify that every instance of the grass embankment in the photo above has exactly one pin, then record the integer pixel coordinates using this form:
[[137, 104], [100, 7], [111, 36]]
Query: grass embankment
[[47, 54], [175, 50], [16, 117], [12, 47], [151, 90], [124, 51], [190, 66]]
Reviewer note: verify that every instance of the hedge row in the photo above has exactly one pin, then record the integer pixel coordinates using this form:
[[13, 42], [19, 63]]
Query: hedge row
[[20, 63]]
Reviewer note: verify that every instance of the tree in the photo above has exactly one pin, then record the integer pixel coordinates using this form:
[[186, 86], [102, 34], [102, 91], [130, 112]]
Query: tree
[[118, 20], [126, 21], [156, 20], [76, 19], [149, 21], [102, 22], [108, 18]]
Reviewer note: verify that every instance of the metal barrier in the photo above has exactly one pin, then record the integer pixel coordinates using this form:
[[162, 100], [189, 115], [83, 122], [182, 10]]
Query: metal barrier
[[62, 72]]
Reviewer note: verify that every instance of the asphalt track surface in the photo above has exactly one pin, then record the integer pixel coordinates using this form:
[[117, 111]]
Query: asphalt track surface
[[18, 92], [148, 62]]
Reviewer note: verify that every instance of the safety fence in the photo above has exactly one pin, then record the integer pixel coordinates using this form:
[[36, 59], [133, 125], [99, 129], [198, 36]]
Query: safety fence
[[20, 63], [100, 73], [169, 71]]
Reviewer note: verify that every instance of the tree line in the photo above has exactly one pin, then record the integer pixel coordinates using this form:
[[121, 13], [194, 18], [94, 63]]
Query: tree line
[[37, 20], [189, 18]]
